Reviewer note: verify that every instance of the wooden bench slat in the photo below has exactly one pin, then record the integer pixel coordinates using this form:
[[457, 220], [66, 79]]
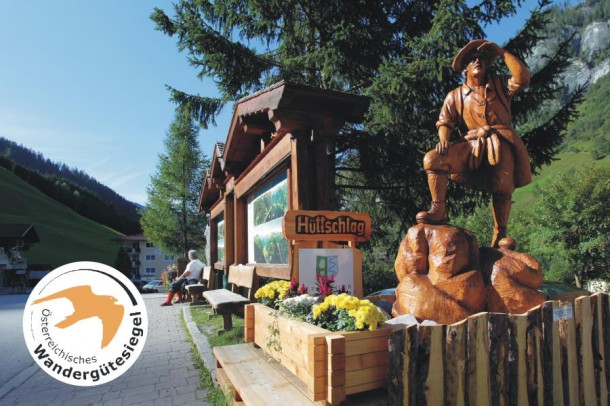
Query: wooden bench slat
[[256, 381], [219, 297]]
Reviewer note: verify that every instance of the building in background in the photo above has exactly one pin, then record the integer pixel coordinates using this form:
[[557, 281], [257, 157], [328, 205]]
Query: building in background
[[14, 239], [147, 261]]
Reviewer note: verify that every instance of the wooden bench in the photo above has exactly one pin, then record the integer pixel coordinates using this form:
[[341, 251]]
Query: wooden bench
[[195, 290], [226, 302], [245, 372]]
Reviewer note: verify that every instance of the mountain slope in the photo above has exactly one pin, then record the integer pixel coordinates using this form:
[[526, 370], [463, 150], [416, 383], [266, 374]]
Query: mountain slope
[[36, 161], [64, 235]]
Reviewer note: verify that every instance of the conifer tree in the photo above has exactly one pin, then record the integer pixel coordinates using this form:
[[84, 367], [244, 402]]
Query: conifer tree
[[397, 52], [122, 263], [171, 219]]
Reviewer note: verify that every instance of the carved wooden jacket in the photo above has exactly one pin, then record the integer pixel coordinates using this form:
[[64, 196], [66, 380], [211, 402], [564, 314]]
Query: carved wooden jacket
[[476, 116]]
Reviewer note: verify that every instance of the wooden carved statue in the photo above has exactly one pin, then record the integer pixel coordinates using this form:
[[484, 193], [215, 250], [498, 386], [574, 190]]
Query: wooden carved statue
[[489, 155], [444, 275]]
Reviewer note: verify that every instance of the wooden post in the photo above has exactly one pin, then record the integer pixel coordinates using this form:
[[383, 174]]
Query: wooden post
[[397, 378], [517, 360], [535, 381], [603, 315], [249, 323], [551, 364], [336, 369], [567, 345], [213, 241], [478, 360], [435, 382], [498, 355], [300, 171], [583, 313], [455, 372], [229, 231], [324, 167], [241, 231]]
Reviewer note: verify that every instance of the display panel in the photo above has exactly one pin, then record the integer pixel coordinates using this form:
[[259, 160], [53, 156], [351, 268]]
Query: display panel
[[220, 240], [266, 208]]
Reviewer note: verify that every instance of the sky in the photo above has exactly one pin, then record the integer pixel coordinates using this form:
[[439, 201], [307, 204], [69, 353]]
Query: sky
[[83, 83]]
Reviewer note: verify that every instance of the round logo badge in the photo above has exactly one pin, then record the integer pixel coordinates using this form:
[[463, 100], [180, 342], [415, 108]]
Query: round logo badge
[[85, 323]]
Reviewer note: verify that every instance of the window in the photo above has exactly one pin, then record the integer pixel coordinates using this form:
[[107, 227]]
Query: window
[[150, 245], [266, 208], [168, 258], [150, 271], [221, 240], [150, 258]]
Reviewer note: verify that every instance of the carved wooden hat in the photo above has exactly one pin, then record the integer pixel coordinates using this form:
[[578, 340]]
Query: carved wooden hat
[[472, 46]]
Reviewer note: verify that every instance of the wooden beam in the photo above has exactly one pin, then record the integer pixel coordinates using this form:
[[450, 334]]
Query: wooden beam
[[241, 231], [276, 271], [270, 160], [217, 209]]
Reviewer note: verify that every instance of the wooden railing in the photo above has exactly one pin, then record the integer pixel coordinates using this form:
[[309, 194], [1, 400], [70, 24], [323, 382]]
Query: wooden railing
[[556, 354]]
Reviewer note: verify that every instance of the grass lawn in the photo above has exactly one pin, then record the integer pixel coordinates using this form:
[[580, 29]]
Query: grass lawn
[[209, 325], [65, 236]]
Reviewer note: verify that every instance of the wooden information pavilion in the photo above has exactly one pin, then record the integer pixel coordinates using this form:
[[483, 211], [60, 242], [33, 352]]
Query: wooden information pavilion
[[279, 155]]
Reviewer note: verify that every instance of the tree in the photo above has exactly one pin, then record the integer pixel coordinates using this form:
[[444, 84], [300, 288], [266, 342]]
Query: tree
[[171, 219], [397, 52], [571, 217], [122, 263]]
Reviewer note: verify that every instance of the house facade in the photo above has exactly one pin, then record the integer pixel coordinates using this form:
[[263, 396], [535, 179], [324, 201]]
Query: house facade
[[147, 261], [14, 239]]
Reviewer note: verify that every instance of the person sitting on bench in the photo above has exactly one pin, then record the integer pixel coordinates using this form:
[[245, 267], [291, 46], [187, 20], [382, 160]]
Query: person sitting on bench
[[191, 274]]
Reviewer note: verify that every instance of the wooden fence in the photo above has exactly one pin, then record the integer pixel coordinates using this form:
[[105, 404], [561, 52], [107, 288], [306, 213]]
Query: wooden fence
[[556, 354]]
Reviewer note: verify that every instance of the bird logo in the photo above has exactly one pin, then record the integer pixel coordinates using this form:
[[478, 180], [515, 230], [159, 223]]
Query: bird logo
[[86, 305]]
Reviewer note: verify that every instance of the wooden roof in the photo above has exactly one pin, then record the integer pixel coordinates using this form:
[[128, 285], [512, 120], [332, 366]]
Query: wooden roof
[[282, 108], [213, 182], [11, 232], [277, 110]]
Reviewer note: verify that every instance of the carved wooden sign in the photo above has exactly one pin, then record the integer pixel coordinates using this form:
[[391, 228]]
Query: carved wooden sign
[[305, 225]]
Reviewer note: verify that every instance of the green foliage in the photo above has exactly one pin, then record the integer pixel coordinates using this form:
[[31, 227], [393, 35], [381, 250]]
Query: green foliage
[[398, 53], [479, 222], [567, 229], [64, 235], [593, 122], [171, 218], [122, 263]]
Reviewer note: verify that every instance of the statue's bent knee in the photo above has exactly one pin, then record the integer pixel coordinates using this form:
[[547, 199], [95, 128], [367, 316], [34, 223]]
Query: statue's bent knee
[[433, 161]]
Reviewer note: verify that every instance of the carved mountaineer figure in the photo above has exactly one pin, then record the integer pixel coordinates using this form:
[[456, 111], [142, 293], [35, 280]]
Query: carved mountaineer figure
[[489, 156]]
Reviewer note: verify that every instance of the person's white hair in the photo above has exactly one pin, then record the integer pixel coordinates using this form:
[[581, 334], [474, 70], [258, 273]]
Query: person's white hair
[[193, 254]]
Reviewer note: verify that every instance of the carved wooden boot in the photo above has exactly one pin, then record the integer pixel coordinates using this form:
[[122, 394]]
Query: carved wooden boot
[[437, 181], [501, 210], [499, 233], [436, 215]]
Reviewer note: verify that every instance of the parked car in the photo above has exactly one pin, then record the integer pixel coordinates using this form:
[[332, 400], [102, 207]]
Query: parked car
[[562, 291], [154, 286], [139, 283]]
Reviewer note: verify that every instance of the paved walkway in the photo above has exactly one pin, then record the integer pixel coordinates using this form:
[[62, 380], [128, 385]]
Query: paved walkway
[[162, 375]]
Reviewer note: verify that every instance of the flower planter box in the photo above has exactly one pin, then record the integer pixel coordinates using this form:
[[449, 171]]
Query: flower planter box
[[331, 365]]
